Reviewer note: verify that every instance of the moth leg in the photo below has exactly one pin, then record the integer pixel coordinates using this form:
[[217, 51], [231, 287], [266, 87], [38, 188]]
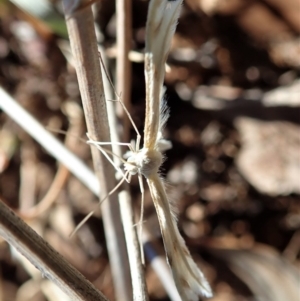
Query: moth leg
[[107, 143], [99, 203], [105, 153]]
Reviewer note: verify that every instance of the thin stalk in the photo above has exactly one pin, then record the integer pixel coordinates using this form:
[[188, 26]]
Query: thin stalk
[[51, 264], [80, 24], [139, 288], [123, 75], [28, 123]]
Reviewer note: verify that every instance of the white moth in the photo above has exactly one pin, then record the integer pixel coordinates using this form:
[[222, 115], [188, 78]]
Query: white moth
[[161, 23]]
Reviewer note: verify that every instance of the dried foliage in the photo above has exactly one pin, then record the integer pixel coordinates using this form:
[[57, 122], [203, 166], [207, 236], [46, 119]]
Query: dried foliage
[[232, 83]]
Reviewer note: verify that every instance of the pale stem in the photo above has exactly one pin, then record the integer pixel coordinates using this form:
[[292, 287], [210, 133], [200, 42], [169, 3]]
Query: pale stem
[[51, 264], [84, 47]]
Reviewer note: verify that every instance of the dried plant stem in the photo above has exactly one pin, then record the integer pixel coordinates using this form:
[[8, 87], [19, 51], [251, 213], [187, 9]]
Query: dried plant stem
[[28, 123], [123, 85], [123, 78], [51, 264], [123, 82], [81, 30], [57, 185], [139, 289], [123, 12]]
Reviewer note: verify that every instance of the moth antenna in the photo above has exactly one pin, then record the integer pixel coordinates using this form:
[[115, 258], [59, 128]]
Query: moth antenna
[[119, 99], [138, 138], [109, 143], [107, 75]]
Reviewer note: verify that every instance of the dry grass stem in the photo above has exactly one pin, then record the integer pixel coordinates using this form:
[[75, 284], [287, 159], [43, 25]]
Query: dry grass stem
[[51, 264], [139, 289], [52, 145], [123, 78], [84, 47]]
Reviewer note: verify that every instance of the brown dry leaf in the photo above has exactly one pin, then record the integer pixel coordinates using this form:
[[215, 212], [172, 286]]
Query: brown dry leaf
[[269, 276], [269, 158]]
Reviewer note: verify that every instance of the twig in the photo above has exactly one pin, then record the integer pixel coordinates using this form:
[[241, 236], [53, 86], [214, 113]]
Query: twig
[[139, 288], [74, 115], [123, 85], [81, 30], [123, 78], [51, 264], [58, 183], [48, 141]]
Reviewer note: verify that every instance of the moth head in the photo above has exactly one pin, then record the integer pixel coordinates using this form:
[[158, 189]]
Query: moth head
[[131, 163]]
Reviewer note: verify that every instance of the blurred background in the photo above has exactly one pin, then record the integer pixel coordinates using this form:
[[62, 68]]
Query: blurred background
[[233, 89]]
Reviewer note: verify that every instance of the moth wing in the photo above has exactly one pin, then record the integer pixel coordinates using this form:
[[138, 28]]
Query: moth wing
[[161, 24], [190, 281]]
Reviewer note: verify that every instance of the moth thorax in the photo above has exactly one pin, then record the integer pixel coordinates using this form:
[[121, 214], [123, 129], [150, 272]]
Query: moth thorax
[[150, 161], [145, 161]]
